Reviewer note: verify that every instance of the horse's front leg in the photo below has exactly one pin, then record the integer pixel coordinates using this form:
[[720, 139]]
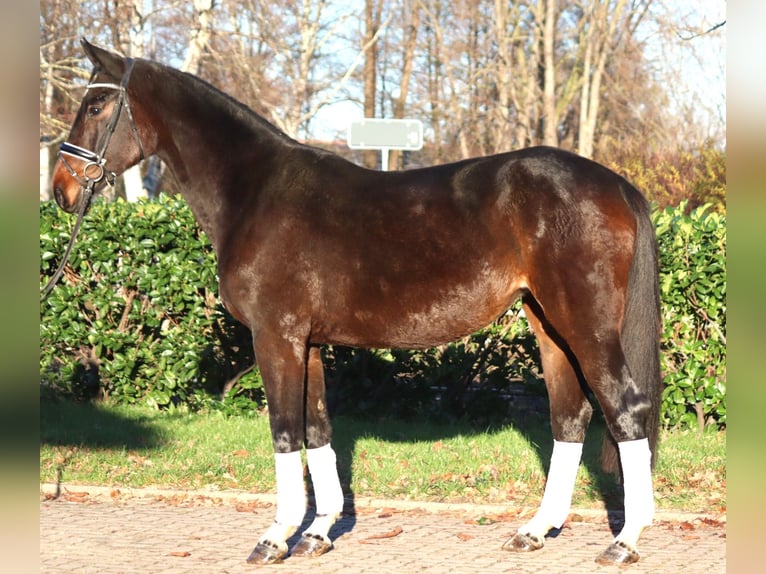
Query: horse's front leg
[[321, 462], [282, 363]]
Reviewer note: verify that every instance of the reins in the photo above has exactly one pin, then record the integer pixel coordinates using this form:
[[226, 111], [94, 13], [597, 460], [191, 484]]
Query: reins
[[94, 160], [88, 193]]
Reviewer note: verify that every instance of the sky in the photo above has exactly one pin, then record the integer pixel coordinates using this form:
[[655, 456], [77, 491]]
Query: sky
[[698, 64]]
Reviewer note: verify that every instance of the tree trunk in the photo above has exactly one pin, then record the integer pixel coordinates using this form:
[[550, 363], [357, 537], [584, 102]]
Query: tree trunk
[[45, 143], [529, 105], [371, 22], [200, 35], [550, 119], [600, 42], [434, 76], [410, 43], [134, 187], [45, 171], [502, 120]]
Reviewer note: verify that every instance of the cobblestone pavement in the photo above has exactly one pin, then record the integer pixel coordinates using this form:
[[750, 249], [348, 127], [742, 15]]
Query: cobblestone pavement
[[100, 530]]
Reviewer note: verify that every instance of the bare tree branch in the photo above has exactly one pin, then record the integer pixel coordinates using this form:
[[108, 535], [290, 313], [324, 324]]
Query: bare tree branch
[[698, 34]]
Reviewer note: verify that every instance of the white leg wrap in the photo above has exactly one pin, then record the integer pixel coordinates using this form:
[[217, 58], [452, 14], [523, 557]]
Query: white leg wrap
[[291, 491], [278, 534], [557, 498], [321, 525], [636, 458], [324, 476]]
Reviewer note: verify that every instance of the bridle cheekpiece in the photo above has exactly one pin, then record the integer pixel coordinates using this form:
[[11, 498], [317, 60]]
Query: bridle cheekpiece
[[95, 167]]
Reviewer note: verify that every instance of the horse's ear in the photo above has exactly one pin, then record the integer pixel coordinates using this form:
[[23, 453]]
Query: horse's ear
[[110, 62]]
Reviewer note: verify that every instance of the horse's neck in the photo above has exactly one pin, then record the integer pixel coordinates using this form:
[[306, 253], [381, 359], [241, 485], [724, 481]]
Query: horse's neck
[[217, 153]]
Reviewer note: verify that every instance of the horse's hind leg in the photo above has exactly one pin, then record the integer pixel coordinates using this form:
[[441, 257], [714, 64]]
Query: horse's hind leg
[[570, 416], [321, 460], [626, 409], [593, 336]]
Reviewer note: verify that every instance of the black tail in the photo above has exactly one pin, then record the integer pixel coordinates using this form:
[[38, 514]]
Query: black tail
[[641, 326]]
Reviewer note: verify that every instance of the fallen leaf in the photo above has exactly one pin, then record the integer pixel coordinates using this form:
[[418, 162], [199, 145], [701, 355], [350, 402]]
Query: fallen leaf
[[390, 534], [250, 506], [180, 553], [687, 526], [464, 537], [75, 496]]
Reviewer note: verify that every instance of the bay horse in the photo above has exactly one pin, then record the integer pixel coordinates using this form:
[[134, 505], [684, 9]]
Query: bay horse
[[313, 250]]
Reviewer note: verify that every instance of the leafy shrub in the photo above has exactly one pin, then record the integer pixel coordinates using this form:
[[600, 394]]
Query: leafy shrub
[[136, 318], [693, 291]]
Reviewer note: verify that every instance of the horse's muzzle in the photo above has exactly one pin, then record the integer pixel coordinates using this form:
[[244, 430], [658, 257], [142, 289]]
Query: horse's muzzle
[[63, 202]]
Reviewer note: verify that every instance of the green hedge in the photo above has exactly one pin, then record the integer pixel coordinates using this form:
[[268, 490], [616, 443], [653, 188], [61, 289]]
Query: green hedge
[[136, 318], [693, 291]]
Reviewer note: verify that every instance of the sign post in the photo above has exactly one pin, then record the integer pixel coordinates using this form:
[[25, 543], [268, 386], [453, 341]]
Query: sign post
[[385, 135]]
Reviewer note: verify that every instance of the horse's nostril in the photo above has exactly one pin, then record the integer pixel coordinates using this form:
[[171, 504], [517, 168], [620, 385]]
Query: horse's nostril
[[61, 200]]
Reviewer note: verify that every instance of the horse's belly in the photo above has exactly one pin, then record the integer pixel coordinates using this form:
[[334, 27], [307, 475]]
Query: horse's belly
[[411, 321]]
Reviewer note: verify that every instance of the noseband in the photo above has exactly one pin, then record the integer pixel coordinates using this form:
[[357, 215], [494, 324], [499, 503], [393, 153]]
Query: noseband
[[95, 167]]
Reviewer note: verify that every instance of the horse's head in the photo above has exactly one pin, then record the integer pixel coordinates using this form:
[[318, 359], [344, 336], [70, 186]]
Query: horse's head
[[106, 137]]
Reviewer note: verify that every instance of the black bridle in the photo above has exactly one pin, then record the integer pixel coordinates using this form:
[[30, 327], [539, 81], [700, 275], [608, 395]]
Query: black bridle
[[94, 170]]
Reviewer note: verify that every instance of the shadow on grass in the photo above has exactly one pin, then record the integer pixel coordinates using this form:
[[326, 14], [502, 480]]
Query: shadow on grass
[[65, 423], [534, 428]]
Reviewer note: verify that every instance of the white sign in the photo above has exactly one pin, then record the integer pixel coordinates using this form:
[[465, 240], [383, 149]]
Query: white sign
[[377, 133]]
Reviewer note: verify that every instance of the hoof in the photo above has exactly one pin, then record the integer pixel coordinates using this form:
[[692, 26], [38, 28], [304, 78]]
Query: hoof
[[520, 542], [617, 553], [266, 552], [312, 545]]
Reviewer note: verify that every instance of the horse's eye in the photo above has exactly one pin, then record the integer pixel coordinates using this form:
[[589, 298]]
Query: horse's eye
[[96, 106]]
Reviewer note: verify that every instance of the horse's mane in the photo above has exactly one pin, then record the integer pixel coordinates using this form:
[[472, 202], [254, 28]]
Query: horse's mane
[[213, 94]]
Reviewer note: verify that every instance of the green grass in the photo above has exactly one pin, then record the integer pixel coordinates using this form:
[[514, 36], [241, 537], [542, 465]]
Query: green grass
[[137, 447]]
